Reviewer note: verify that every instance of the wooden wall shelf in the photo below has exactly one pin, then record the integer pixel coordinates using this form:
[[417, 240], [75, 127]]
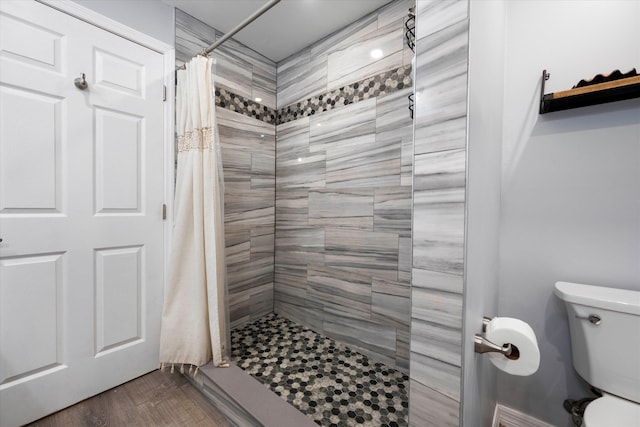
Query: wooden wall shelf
[[616, 90]]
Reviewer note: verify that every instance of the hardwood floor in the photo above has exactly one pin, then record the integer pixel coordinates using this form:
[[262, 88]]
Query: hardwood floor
[[155, 399]]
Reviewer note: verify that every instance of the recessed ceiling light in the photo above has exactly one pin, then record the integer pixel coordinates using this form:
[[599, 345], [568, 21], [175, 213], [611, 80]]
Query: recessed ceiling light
[[258, 99], [261, 135], [376, 53]]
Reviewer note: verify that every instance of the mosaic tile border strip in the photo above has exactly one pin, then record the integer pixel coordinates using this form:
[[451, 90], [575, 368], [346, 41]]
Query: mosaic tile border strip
[[240, 104], [322, 378], [378, 85]]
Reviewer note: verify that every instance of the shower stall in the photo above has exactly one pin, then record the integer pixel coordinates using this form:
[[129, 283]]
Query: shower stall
[[323, 182]]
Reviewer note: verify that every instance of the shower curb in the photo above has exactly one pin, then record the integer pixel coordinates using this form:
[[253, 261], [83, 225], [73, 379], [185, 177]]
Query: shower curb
[[244, 401]]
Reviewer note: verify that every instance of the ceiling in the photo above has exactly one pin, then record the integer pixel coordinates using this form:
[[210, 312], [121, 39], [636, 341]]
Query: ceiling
[[288, 27]]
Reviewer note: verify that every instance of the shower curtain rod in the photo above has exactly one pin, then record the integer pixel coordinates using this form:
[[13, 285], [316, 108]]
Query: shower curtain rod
[[237, 28]]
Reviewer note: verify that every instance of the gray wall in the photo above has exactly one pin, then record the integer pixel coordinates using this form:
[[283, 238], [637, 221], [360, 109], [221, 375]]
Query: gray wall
[[247, 136], [343, 187], [571, 183], [484, 173], [151, 17], [439, 212]]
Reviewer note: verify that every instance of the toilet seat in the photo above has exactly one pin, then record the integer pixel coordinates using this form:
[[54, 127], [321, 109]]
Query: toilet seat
[[609, 411]]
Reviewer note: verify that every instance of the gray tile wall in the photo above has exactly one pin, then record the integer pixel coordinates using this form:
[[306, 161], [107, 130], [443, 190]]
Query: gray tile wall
[[439, 212], [247, 136], [343, 194], [343, 188], [239, 69], [344, 56]]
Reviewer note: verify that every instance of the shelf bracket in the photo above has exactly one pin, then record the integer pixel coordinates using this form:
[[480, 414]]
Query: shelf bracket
[[545, 77]]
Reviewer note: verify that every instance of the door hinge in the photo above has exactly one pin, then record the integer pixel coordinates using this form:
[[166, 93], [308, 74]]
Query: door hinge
[[164, 211], [164, 93]]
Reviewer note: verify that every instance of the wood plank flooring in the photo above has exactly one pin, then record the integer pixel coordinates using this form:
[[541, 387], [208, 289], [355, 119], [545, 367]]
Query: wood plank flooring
[[155, 399]]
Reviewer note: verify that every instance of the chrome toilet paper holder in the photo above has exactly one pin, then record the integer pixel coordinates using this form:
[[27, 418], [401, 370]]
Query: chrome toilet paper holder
[[483, 345]]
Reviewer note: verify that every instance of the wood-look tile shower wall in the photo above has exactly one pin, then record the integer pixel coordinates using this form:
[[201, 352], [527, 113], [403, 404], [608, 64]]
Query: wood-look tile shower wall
[[248, 154], [442, 41], [343, 187]]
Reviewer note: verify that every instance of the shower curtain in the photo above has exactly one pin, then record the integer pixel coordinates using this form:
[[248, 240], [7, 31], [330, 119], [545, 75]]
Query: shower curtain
[[194, 320]]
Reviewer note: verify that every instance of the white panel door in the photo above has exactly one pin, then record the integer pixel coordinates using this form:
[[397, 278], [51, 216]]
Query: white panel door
[[81, 190]]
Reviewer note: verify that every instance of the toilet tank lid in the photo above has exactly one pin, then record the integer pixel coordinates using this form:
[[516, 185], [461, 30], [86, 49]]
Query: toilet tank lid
[[621, 300]]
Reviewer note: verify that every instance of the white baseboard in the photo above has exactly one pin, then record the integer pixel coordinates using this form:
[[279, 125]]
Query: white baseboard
[[508, 417]]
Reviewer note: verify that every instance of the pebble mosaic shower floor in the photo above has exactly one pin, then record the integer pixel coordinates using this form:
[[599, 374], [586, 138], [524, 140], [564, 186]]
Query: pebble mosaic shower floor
[[322, 378]]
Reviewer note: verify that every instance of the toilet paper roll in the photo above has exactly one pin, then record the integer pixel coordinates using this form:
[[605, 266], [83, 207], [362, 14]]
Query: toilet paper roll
[[503, 330]]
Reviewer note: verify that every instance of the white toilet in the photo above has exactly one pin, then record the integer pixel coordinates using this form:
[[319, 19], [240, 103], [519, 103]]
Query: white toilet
[[605, 341]]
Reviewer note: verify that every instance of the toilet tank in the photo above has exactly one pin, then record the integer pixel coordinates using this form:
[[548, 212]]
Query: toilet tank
[[606, 355]]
